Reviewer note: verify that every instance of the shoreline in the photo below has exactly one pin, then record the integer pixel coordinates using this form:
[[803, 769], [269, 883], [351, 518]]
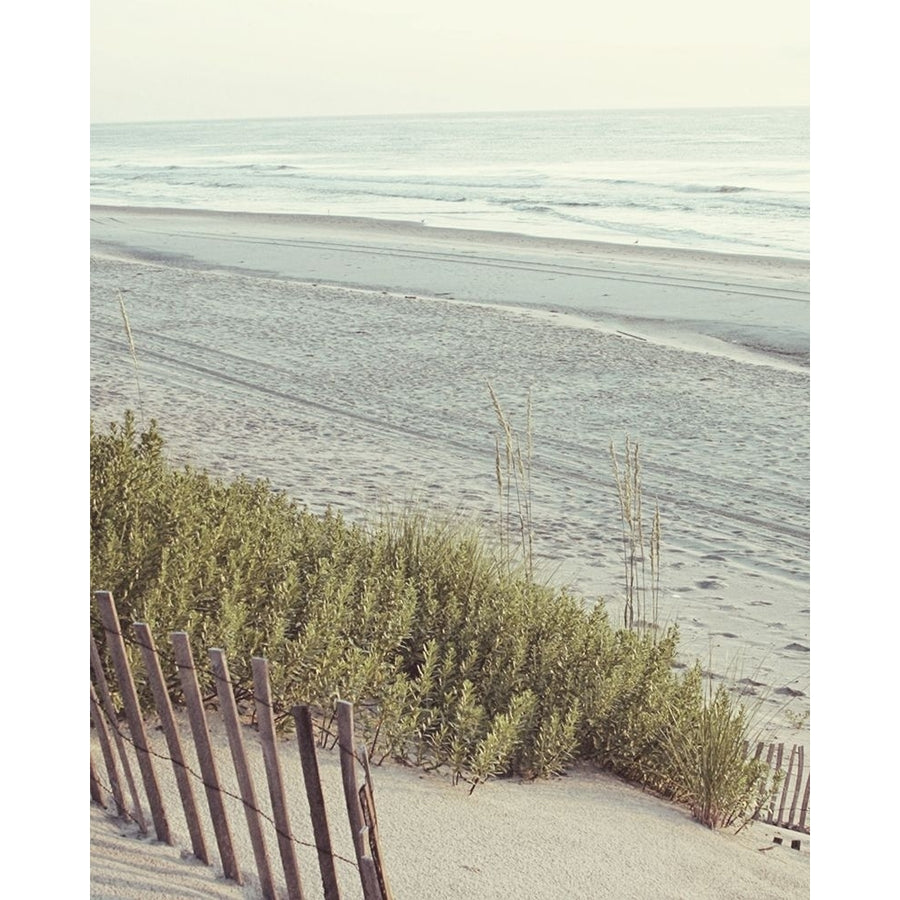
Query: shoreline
[[409, 228], [718, 303]]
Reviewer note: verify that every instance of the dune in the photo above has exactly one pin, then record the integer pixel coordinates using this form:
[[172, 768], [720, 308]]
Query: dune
[[581, 836]]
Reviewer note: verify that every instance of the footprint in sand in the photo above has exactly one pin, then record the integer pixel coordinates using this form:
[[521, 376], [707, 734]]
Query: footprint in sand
[[709, 583], [789, 692]]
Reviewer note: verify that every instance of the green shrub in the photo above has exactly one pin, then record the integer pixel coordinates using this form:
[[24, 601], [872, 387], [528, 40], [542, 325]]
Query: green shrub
[[452, 657], [710, 768]]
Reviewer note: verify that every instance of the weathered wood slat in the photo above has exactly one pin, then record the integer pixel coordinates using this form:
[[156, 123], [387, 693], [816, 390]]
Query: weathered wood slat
[[199, 728], [96, 790], [804, 810], [787, 784], [105, 698], [263, 699], [370, 814], [348, 774], [116, 643], [109, 758], [368, 872], [314, 796], [778, 754], [228, 708], [173, 741], [797, 785]]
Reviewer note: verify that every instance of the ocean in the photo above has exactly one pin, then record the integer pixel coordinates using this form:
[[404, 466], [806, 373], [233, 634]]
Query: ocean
[[729, 180]]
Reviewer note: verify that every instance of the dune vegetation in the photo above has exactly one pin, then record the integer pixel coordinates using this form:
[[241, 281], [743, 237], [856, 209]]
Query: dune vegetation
[[454, 655]]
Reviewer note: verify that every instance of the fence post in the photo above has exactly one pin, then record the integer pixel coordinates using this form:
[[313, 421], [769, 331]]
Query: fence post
[[317, 812], [200, 730], [106, 699], [96, 791], [358, 827], [116, 643], [228, 708], [787, 782], [805, 806], [108, 757], [776, 770], [370, 814], [170, 729], [796, 796], [273, 772]]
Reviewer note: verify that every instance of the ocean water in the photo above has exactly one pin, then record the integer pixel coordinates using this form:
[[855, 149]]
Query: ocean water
[[732, 180]]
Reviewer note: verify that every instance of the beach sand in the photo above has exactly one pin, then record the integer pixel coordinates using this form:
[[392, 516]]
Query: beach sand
[[347, 362], [579, 837]]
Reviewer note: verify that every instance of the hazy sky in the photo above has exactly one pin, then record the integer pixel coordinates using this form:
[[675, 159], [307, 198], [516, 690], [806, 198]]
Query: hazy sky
[[177, 59]]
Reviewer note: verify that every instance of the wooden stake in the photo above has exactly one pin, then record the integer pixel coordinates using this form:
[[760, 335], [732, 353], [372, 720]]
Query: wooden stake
[[170, 730], [784, 791], [108, 757], [358, 827], [199, 728], [805, 806], [96, 790], [796, 796], [370, 814], [228, 708], [367, 870], [116, 643], [112, 720], [317, 812], [263, 699], [777, 769]]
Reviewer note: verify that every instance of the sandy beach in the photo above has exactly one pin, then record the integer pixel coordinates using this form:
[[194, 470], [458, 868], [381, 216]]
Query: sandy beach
[[579, 837], [347, 360]]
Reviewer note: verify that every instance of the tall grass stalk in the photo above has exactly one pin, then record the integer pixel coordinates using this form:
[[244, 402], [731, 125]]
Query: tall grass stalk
[[512, 469], [636, 547], [131, 347]]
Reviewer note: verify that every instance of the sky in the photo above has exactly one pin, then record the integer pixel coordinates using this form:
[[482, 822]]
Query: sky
[[199, 59]]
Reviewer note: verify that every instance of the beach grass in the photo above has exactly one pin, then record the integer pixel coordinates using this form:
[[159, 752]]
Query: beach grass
[[455, 658]]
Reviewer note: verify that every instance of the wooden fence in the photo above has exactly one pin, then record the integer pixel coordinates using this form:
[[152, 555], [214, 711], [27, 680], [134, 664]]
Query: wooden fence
[[788, 806], [120, 778]]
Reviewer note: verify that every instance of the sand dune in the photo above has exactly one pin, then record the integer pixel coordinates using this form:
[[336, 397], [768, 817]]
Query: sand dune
[[579, 837]]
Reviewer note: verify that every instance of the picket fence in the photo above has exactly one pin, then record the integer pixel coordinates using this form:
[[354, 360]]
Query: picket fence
[[355, 771], [788, 807], [784, 807]]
